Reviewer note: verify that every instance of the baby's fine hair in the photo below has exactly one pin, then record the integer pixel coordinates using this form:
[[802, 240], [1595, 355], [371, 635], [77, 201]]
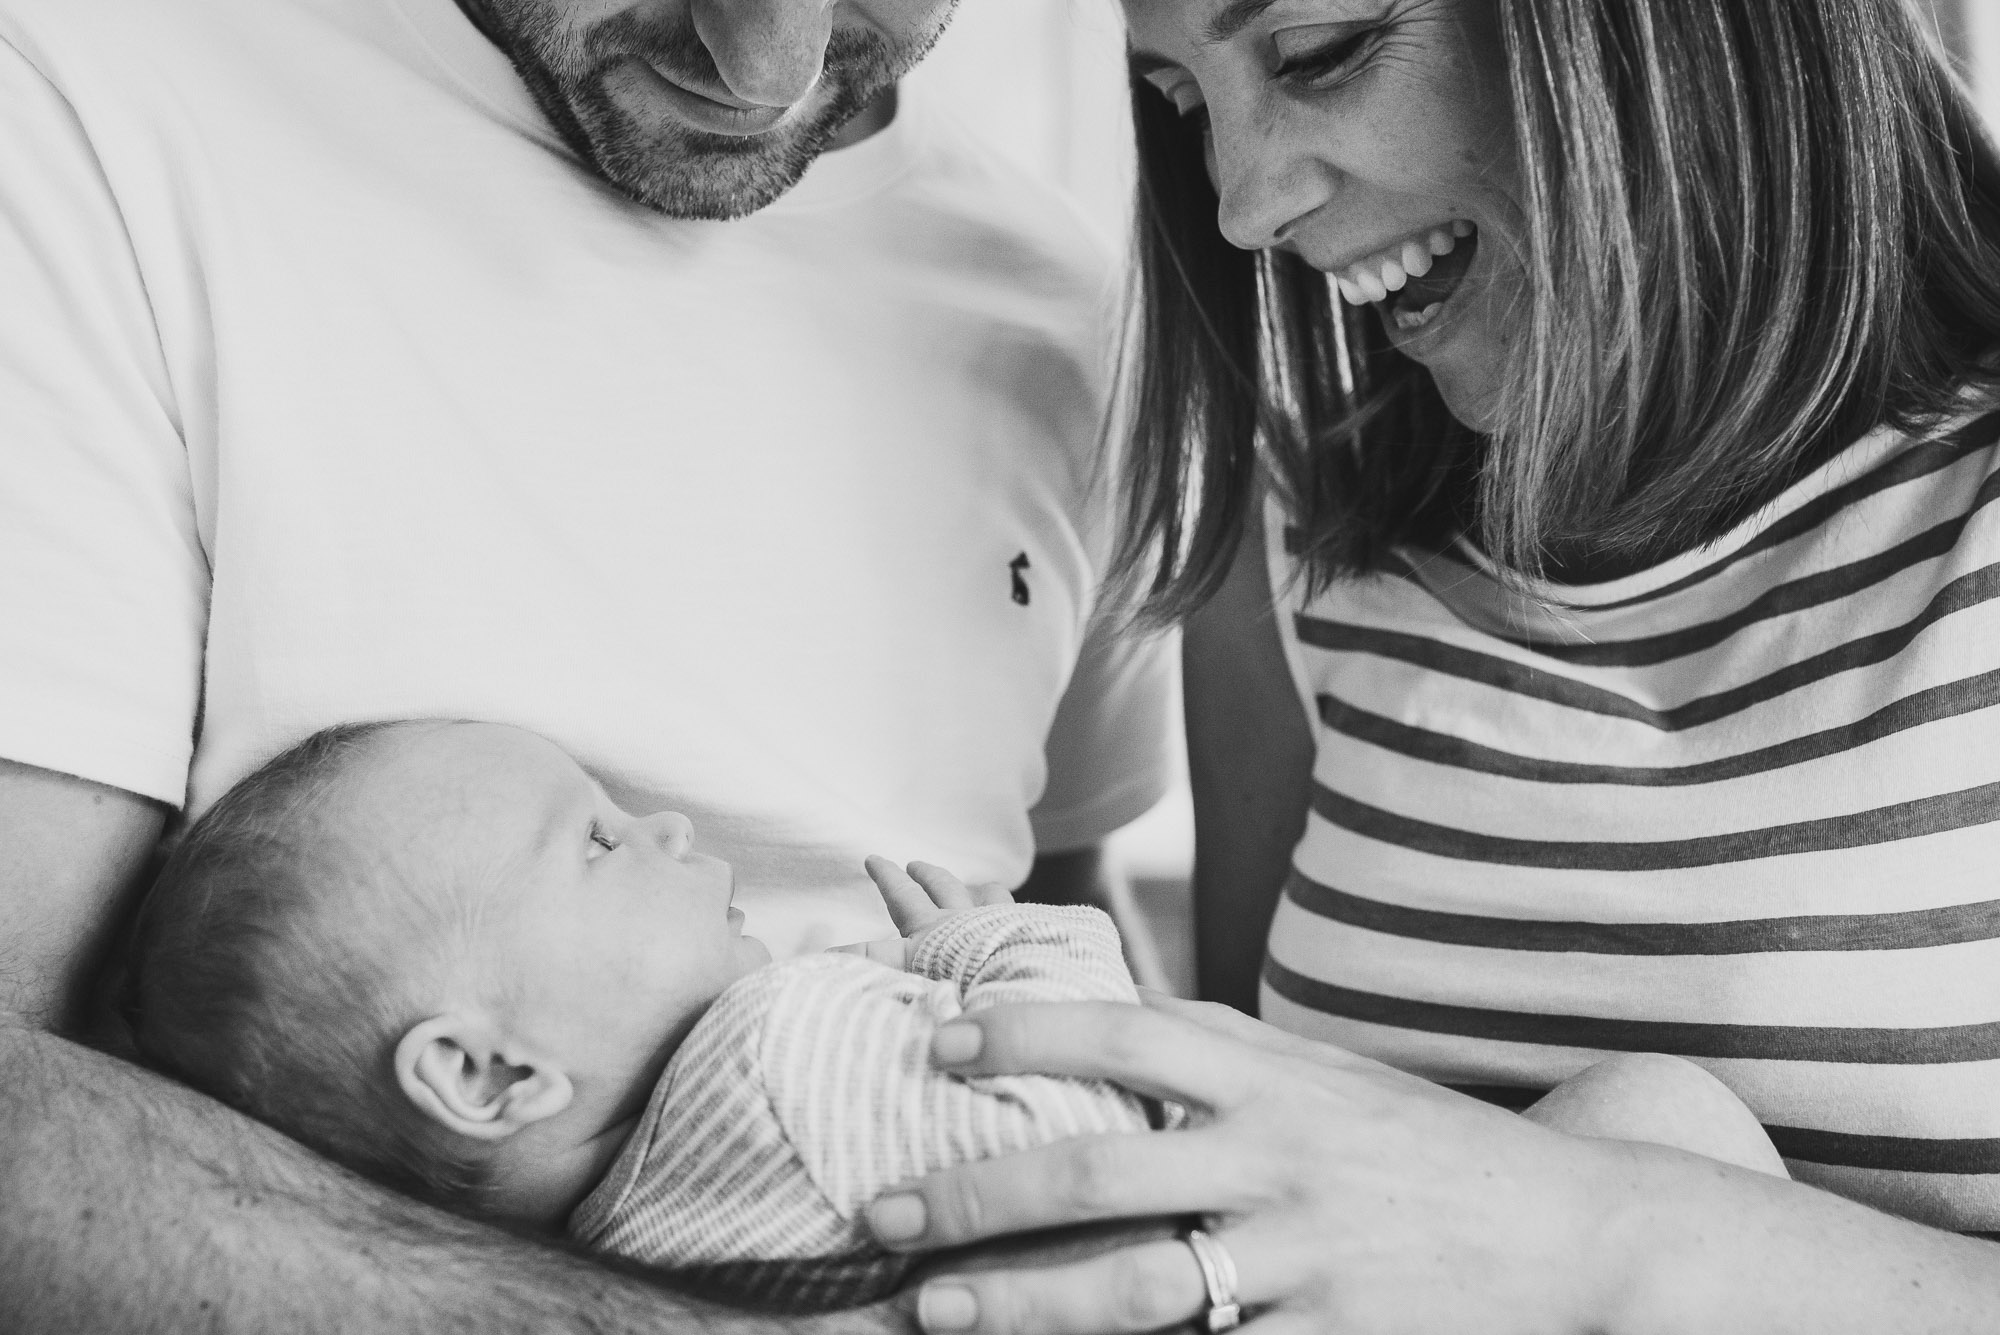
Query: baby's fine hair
[[244, 980]]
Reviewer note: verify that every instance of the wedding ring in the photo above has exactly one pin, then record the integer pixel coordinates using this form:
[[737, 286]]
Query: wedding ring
[[1218, 1276]]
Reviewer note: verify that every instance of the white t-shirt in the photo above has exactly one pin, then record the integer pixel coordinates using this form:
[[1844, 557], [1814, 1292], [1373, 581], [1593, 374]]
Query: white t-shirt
[[332, 387]]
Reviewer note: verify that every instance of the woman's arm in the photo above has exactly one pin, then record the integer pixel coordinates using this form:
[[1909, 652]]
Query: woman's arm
[[1250, 757], [1359, 1200]]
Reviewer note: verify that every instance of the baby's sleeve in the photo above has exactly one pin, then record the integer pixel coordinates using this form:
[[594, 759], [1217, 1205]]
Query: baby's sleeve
[[1004, 954], [850, 1077], [804, 1094]]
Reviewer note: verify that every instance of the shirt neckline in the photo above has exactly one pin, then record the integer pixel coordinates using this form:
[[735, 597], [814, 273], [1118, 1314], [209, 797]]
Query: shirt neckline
[[1843, 468]]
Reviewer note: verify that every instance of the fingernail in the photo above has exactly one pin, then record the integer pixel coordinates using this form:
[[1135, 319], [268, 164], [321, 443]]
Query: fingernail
[[956, 1043], [897, 1218], [946, 1307]]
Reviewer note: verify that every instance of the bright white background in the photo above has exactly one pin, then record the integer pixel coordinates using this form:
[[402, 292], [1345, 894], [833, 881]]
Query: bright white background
[[1983, 21]]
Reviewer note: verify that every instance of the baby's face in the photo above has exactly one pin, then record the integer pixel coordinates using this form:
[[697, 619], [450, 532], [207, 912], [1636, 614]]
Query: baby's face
[[600, 936]]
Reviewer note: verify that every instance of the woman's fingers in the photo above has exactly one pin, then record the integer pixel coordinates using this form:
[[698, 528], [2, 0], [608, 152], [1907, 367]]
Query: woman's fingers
[[1145, 1050], [1143, 1288], [945, 890], [1146, 1287], [1087, 1179]]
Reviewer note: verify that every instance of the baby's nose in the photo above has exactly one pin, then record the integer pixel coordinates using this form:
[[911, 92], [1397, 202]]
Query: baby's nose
[[673, 831]]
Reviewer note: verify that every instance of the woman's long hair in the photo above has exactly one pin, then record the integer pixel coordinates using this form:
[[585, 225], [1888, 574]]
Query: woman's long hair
[[1754, 232]]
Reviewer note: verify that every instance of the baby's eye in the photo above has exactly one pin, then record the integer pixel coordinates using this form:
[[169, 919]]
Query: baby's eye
[[602, 840]]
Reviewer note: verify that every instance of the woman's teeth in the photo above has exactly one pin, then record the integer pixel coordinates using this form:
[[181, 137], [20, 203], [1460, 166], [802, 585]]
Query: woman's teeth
[[1374, 279]]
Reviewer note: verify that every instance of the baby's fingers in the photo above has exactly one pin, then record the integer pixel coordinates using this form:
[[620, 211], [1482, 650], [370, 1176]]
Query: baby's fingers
[[946, 890], [910, 906]]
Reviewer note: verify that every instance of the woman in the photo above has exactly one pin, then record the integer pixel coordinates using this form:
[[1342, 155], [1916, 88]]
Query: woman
[[1631, 684]]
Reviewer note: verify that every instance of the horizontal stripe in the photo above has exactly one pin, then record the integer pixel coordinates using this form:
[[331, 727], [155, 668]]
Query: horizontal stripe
[[1903, 466], [1895, 1154], [1930, 706], [1915, 930], [1787, 599], [1505, 674], [1840, 1149], [1879, 1047], [1903, 820]]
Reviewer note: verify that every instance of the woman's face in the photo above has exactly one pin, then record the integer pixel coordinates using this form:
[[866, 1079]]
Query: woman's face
[[1373, 138]]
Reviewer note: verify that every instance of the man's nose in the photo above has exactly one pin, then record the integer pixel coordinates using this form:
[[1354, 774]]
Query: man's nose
[[769, 52], [673, 832]]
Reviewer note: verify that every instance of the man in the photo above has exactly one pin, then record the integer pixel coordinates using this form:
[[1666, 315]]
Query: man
[[520, 361]]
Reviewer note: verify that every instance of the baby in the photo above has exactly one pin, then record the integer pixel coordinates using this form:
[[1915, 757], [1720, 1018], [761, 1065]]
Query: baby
[[439, 953]]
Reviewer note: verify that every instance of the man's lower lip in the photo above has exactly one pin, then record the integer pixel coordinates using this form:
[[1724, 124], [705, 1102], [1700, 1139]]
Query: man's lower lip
[[708, 115], [735, 917]]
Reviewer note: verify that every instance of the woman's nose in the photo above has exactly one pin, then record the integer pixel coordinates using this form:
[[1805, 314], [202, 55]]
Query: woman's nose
[[1265, 193], [769, 52], [673, 832]]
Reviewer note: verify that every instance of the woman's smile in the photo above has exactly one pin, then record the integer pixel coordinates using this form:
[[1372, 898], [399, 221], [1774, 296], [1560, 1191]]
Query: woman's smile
[[1412, 280], [1372, 139]]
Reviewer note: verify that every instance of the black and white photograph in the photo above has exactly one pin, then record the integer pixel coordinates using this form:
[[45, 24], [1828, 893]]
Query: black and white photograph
[[999, 667]]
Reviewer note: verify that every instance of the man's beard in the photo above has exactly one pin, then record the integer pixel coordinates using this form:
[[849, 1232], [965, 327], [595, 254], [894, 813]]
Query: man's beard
[[681, 171]]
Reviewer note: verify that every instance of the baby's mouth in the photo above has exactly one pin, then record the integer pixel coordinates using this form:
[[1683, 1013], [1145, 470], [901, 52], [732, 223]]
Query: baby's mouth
[[1413, 279]]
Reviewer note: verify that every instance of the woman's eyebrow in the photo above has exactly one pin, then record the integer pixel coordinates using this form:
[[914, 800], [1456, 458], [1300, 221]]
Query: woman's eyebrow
[[1233, 18]]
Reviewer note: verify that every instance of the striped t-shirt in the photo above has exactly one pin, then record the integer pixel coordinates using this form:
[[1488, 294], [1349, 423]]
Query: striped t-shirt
[[1743, 808]]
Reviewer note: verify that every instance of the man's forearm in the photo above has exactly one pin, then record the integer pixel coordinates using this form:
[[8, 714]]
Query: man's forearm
[[130, 1204]]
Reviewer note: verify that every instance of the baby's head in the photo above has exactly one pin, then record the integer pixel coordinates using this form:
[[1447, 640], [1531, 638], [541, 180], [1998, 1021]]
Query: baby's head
[[438, 952]]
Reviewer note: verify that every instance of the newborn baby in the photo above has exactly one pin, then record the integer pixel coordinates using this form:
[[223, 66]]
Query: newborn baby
[[439, 953]]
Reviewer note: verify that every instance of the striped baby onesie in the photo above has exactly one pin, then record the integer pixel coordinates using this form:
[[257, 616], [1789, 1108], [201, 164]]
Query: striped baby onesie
[[807, 1090], [1743, 808]]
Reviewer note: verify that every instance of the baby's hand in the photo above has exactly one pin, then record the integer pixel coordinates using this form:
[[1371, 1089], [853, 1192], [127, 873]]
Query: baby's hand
[[919, 900]]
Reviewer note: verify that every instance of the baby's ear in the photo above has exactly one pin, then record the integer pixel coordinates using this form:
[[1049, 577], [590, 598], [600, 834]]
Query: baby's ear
[[456, 1072]]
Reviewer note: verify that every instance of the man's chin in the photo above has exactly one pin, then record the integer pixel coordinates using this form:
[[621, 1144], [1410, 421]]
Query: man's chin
[[705, 187], [697, 175]]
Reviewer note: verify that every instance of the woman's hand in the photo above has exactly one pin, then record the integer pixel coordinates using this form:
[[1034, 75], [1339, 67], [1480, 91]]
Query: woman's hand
[[1353, 1198]]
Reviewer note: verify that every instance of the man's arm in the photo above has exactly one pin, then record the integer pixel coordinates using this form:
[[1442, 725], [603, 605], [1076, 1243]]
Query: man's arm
[[129, 1203], [1250, 759], [68, 850]]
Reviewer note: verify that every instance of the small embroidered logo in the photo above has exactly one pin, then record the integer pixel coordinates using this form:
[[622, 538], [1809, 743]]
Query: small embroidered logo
[[1014, 568]]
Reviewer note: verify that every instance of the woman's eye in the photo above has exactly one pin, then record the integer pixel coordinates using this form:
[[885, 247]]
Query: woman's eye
[[602, 840], [1319, 63]]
